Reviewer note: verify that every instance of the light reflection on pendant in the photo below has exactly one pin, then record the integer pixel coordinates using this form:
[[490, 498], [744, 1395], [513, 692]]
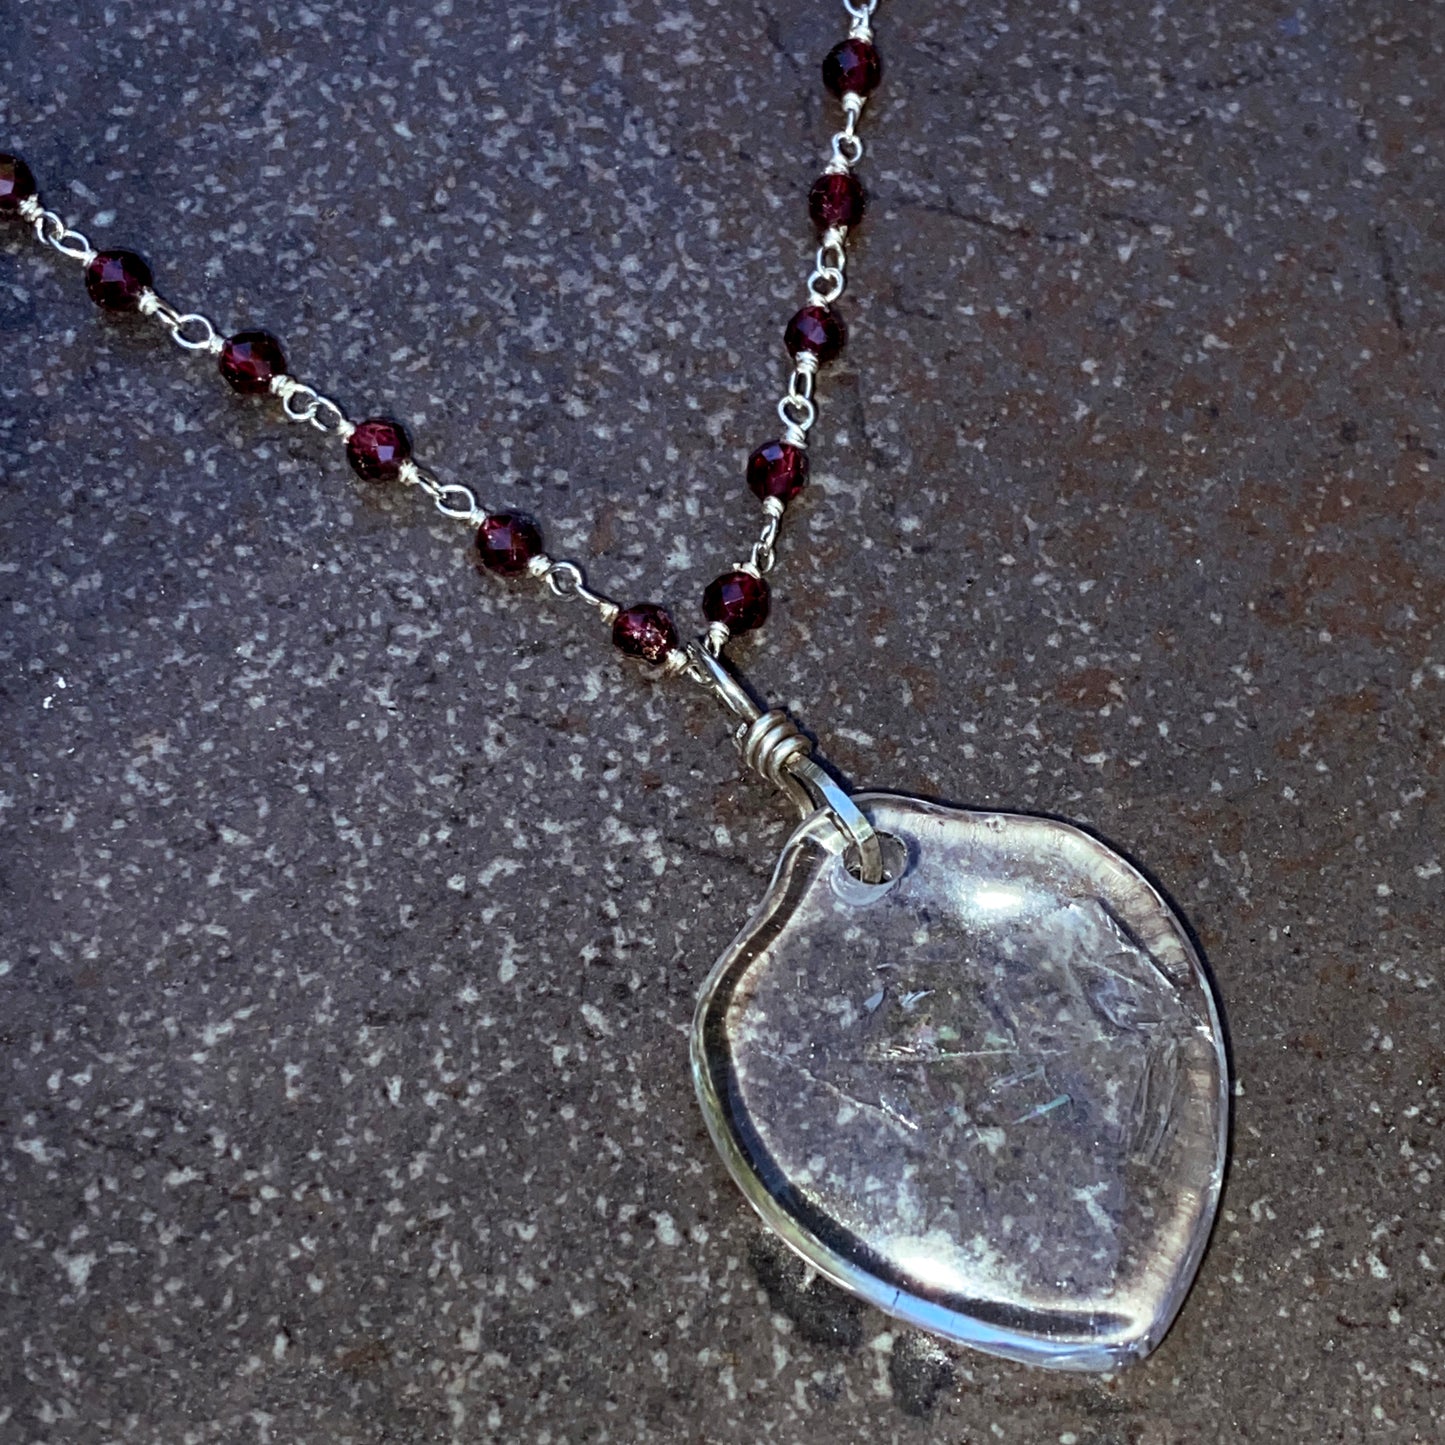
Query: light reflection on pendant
[[988, 1096]]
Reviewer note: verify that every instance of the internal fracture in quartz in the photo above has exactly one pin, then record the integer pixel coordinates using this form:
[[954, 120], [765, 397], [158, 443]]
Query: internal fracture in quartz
[[989, 1097]]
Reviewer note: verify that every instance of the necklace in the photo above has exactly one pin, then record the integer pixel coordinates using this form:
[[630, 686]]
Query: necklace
[[965, 1063]]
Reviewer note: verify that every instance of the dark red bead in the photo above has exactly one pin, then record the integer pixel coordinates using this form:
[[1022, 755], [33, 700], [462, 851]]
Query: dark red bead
[[377, 448], [507, 542], [17, 184], [836, 200], [644, 630], [117, 280], [852, 68], [816, 329], [778, 469], [738, 599], [250, 359]]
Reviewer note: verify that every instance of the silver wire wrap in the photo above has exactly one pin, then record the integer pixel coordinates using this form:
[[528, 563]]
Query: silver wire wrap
[[304, 403], [177, 323], [51, 230], [862, 14], [454, 500], [796, 410], [826, 283], [847, 143], [773, 747], [764, 555], [566, 579]]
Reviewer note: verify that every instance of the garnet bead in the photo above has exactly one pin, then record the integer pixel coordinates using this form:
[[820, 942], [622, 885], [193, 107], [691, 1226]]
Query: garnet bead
[[17, 184], [117, 280], [777, 469], [816, 329], [836, 200], [377, 449], [737, 599], [250, 359], [644, 630], [852, 68], [507, 542]]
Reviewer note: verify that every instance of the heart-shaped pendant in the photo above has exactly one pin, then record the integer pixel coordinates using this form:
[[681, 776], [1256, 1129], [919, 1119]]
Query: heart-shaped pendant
[[989, 1095]]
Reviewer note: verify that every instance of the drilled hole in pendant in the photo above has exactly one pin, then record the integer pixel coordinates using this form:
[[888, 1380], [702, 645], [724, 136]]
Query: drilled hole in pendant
[[848, 878]]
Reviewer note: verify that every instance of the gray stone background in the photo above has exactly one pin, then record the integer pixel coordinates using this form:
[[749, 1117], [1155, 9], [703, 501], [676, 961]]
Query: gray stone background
[[353, 906]]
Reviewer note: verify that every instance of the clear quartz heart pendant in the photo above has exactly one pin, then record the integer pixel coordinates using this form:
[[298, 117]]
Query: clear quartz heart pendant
[[987, 1094]]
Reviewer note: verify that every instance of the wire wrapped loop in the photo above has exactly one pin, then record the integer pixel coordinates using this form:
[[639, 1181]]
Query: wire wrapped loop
[[773, 746], [51, 230], [769, 744]]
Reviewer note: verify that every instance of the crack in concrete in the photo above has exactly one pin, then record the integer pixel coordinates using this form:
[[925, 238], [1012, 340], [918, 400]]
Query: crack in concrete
[[1388, 277]]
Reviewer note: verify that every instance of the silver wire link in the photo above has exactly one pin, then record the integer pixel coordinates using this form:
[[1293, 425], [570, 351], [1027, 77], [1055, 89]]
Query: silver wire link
[[798, 415], [847, 143], [800, 383], [847, 151], [826, 283], [304, 403], [457, 501], [568, 580], [765, 550], [797, 410], [51, 230], [451, 499], [178, 323]]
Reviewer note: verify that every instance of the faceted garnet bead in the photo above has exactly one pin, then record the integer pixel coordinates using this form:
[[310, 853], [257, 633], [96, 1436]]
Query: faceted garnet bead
[[852, 68], [737, 599], [816, 329], [17, 184], [507, 542], [778, 469], [117, 280], [644, 630], [250, 359], [377, 449], [836, 200]]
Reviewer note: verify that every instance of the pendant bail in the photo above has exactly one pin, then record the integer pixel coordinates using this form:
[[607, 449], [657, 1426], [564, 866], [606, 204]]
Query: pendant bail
[[773, 746]]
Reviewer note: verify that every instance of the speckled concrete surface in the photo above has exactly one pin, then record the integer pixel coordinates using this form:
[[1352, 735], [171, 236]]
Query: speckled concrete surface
[[353, 908]]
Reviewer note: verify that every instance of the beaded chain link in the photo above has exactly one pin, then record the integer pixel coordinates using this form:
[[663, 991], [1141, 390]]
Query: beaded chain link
[[508, 543]]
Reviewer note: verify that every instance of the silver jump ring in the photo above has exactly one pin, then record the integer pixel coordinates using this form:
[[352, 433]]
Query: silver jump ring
[[52, 231], [568, 580], [465, 511], [800, 385], [831, 278], [309, 398], [327, 417], [797, 411], [178, 324], [565, 579]]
